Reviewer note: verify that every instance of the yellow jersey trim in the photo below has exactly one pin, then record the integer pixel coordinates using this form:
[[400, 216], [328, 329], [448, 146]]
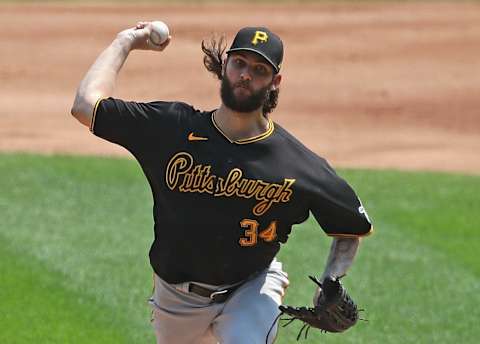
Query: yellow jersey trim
[[256, 138], [352, 235], [94, 115]]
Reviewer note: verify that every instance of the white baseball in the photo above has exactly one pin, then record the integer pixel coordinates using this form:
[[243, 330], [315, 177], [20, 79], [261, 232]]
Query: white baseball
[[159, 33]]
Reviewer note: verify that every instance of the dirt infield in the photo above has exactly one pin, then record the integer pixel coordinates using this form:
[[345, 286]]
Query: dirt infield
[[379, 85]]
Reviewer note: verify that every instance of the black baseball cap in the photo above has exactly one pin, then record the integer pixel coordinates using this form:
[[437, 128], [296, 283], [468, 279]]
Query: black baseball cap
[[261, 41]]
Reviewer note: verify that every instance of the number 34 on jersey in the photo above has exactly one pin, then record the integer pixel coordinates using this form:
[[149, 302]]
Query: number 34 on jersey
[[252, 232]]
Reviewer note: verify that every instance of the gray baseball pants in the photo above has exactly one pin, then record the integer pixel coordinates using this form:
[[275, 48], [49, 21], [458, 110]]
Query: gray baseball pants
[[247, 317]]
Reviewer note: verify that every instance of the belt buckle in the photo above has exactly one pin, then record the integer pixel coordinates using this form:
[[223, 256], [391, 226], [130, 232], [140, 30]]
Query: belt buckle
[[219, 293]]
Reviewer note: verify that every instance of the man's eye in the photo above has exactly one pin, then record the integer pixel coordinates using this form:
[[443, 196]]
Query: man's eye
[[239, 62], [260, 70]]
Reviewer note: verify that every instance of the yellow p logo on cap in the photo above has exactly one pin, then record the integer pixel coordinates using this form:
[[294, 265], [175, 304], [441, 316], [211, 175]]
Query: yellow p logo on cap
[[260, 36]]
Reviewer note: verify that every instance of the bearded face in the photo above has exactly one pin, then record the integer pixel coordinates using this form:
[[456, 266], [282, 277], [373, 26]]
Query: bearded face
[[240, 96]]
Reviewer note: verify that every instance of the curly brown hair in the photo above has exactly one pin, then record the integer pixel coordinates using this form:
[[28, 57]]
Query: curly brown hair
[[214, 55], [214, 60]]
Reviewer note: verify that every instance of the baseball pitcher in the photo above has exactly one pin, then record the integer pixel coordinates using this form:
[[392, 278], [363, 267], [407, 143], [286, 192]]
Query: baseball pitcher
[[228, 184]]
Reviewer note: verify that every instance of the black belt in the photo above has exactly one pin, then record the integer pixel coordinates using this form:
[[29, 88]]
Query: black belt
[[216, 295]]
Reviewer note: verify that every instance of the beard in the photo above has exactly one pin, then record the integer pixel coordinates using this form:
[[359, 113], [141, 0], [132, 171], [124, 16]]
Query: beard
[[249, 103]]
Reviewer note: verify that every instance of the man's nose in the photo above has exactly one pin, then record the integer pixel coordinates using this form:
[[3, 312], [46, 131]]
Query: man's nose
[[245, 75]]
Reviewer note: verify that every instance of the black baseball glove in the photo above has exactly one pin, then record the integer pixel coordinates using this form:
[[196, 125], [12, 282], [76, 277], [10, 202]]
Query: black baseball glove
[[335, 311]]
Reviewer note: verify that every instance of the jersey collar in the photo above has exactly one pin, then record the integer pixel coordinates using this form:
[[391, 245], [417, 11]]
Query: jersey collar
[[256, 138]]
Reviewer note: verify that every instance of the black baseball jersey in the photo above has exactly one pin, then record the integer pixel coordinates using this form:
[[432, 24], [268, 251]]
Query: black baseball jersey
[[222, 208]]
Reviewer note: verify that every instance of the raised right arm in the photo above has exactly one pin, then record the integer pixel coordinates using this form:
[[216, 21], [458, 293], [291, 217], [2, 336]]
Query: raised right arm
[[100, 80]]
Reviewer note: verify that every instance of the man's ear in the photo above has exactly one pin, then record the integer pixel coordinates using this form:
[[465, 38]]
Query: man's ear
[[224, 65], [277, 79]]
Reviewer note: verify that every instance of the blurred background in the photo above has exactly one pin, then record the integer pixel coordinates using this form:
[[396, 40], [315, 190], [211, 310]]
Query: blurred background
[[371, 84]]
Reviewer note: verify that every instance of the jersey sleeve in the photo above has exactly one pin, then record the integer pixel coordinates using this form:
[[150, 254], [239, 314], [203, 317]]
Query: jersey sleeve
[[130, 124], [336, 207]]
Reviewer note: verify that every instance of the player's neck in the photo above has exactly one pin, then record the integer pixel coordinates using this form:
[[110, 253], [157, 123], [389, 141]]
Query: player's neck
[[240, 125]]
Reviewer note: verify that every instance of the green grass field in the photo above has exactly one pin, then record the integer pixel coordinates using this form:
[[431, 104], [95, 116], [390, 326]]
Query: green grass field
[[75, 231]]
